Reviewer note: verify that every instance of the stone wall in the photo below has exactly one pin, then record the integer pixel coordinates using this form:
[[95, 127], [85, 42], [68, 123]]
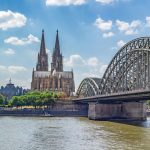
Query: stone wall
[[63, 109]]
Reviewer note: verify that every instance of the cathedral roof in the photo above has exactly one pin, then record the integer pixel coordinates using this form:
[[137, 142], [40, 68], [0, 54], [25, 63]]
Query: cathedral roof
[[65, 74], [42, 73]]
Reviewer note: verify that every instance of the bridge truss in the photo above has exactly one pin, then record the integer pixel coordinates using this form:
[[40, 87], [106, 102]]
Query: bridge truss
[[129, 70]]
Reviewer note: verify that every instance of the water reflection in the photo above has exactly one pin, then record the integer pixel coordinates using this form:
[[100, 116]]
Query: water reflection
[[72, 134]]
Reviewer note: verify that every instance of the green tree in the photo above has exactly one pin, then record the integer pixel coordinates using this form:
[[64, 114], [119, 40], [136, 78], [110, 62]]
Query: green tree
[[2, 99], [49, 99], [35, 99]]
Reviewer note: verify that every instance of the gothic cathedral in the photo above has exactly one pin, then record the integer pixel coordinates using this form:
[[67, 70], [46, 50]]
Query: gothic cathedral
[[56, 79]]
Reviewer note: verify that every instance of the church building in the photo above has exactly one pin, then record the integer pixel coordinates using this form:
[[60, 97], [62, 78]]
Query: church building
[[55, 79], [11, 90]]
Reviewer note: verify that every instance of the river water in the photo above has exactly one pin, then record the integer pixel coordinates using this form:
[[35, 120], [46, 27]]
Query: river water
[[33, 133]]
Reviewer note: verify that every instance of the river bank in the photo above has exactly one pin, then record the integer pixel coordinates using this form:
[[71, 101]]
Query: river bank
[[59, 109], [59, 112], [43, 113]]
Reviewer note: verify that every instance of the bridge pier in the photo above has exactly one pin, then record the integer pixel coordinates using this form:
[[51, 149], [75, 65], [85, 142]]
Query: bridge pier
[[124, 110], [134, 110]]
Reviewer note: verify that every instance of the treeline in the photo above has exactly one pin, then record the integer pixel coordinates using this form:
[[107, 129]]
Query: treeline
[[35, 99]]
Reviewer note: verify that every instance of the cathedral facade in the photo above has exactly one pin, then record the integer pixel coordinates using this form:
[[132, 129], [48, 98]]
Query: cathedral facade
[[55, 79]]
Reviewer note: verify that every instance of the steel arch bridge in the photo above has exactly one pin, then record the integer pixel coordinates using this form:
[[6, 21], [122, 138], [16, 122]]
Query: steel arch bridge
[[89, 87], [128, 71]]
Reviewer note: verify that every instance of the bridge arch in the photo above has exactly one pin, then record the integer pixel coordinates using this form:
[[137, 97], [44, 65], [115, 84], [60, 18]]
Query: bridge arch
[[89, 87], [129, 70]]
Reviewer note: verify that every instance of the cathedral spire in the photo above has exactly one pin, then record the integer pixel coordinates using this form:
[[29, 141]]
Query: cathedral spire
[[42, 48], [57, 58], [42, 61], [57, 46]]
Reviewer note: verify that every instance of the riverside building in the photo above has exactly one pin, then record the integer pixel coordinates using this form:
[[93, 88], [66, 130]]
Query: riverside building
[[11, 90]]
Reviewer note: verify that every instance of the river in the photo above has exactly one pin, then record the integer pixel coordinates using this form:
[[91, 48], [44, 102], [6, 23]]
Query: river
[[33, 133]]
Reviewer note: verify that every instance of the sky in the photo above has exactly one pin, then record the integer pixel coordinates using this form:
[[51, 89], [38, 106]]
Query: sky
[[90, 31]]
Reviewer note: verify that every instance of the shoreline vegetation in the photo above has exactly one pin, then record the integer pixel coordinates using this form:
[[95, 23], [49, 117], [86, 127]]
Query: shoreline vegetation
[[33, 99]]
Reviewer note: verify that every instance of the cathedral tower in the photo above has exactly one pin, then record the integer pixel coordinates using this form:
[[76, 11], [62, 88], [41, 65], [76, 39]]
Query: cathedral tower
[[57, 58], [56, 79], [42, 61]]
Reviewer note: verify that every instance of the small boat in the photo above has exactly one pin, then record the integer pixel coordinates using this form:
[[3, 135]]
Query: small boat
[[47, 115]]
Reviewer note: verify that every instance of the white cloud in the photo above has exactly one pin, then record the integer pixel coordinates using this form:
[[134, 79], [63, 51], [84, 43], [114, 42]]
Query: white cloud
[[64, 2], [107, 35], [93, 61], [9, 51], [74, 60], [103, 25], [105, 2], [122, 25], [120, 43], [148, 21], [97, 72], [16, 69], [128, 28], [9, 19], [78, 61], [12, 69], [16, 41]]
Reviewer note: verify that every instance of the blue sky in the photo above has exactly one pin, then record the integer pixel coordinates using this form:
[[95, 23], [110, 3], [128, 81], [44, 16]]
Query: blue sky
[[91, 32]]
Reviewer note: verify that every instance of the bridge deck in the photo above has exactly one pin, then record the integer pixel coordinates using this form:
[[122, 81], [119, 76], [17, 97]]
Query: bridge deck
[[137, 95]]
